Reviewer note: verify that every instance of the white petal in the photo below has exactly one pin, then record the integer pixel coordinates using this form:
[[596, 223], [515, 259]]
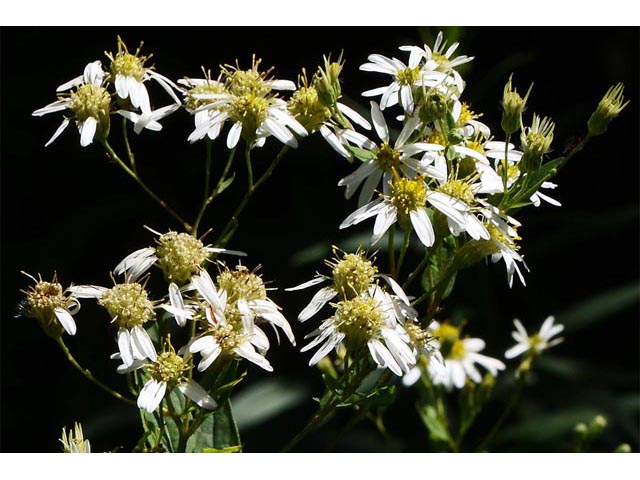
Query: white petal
[[318, 301], [124, 345], [143, 342], [516, 350], [234, 135], [56, 134], [247, 351], [310, 283], [354, 116], [87, 291], [362, 213], [199, 395], [87, 131], [66, 320], [379, 123], [386, 217], [422, 225]]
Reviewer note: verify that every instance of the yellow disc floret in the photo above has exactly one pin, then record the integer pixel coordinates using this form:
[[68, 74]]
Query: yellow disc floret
[[169, 367], [360, 319], [180, 255], [388, 158], [308, 110], [241, 284], [407, 195], [90, 101], [408, 76], [458, 189], [353, 274], [128, 304]]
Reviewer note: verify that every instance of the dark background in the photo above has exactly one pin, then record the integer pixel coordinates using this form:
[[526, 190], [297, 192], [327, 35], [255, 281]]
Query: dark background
[[70, 210]]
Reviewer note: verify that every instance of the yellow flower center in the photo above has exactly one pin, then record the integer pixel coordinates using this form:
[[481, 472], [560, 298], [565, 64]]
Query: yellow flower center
[[128, 304], [388, 158], [353, 274], [306, 107], [180, 255], [360, 319], [407, 195], [128, 65], [458, 189], [457, 352], [408, 76], [241, 283], [169, 368], [90, 101]]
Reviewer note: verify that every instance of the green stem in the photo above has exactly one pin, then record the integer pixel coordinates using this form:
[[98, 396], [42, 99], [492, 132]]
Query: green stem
[[515, 398], [417, 270], [209, 197], [247, 160], [392, 251], [133, 175], [125, 134], [90, 376], [505, 165], [403, 250], [232, 224]]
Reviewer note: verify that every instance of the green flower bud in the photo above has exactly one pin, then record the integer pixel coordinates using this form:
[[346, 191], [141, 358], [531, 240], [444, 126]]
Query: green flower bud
[[512, 107], [327, 81], [536, 141], [609, 108]]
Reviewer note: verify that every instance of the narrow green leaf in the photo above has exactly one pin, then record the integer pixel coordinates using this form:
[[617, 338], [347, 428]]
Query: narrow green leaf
[[225, 430], [437, 430]]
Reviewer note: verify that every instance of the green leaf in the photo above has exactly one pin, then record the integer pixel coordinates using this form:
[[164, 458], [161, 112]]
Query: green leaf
[[234, 449], [164, 427], [600, 307], [360, 153], [437, 429], [266, 399], [218, 431], [227, 183]]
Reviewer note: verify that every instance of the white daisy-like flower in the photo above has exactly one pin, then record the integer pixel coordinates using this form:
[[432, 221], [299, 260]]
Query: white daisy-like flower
[[167, 372], [249, 103], [503, 234], [496, 151], [438, 55], [365, 320], [179, 255], [199, 92], [231, 327], [379, 162], [407, 201], [128, 74], [51, 305], [351, 275], [460, 358], [89, 104], [130, 308], [536, 343], [426, 350]]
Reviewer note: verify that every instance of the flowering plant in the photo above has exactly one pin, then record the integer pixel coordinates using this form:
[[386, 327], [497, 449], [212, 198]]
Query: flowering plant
[[190, 317]]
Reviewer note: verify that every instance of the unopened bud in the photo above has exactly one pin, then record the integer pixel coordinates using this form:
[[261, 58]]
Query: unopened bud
[[512, 107], [609, 108]]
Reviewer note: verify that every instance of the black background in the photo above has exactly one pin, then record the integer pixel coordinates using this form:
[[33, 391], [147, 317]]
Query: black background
[[70, 210]]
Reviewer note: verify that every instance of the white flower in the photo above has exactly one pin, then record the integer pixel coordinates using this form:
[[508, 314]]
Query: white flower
[[89, 104], [130, 308], [51, 305], [379, 162], [460, 358], [128, 75], [237, 334], [368, 319], [148, 119], [199, 92], [496, 151], [179, 255], [537, 342], [408, 198], [438, 55], [426, 350], [352, 275]]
